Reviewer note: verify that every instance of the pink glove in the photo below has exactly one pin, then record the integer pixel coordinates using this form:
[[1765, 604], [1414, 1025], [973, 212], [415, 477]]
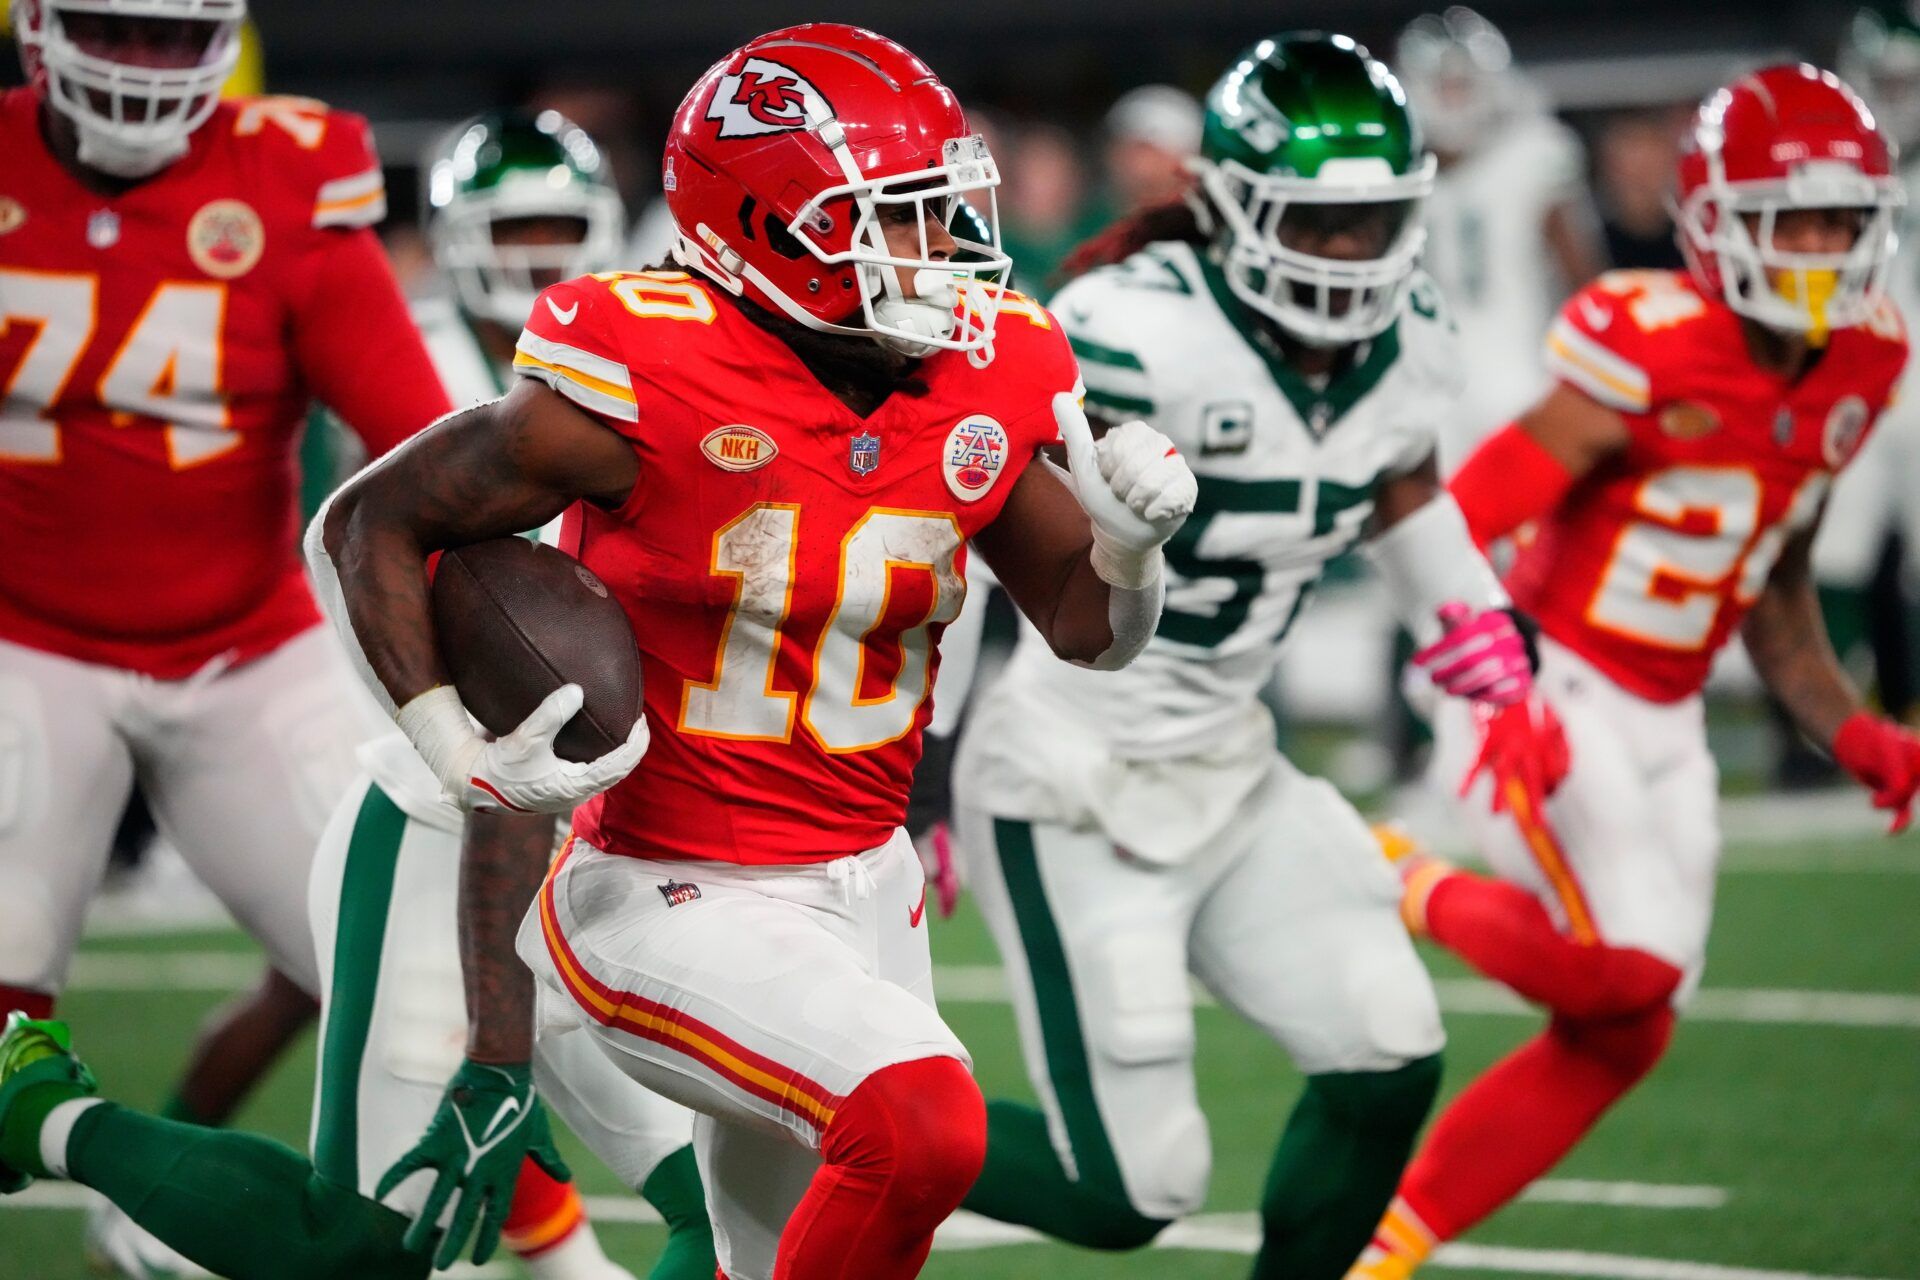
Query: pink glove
[[1886, 760], [1480, 656], [1520, 745], [943, 874]]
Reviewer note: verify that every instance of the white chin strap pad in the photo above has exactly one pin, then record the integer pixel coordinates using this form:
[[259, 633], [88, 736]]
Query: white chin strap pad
[[930, 312], [110, 156]]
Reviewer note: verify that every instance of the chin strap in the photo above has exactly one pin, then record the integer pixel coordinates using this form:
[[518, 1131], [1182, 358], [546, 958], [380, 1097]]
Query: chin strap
[[110, 156]]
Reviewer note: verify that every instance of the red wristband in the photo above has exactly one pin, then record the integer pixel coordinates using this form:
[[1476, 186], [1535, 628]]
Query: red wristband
[[1509, 480]]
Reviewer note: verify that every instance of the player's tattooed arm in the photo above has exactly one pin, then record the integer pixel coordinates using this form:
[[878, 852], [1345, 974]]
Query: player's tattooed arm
[[1039, 549], [493, 471], [503, 858], [1787, 641]]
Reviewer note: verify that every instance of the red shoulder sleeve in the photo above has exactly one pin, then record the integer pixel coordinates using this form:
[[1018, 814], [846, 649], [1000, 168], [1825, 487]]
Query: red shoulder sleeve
[[327, 154], [1600, 343], [572, 344]]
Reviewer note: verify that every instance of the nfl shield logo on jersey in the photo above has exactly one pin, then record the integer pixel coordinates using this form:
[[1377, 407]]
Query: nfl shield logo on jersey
[[103, 229], [976, 450], [863, 453], [678, 892]]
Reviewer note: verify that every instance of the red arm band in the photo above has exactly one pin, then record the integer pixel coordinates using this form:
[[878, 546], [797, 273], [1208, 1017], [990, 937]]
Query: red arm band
[[1509, 480], [358, 347]]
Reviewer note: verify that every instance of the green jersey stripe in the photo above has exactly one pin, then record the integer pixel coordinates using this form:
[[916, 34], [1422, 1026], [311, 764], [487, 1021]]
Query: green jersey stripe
[[1139, 406], [366, 892], [1068, 1068], [1089, 350]]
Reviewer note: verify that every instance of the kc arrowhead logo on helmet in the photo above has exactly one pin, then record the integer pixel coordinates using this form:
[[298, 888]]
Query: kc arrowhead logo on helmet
[[765, 97]]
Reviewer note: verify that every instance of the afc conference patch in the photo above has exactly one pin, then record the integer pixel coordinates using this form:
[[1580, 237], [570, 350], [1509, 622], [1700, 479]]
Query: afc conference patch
[[677, 893], [976, 451]]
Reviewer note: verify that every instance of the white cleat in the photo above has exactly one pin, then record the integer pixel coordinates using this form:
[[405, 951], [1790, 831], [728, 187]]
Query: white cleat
[[120, 1247]]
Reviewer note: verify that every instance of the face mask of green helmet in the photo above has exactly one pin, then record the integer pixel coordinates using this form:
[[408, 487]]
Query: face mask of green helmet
[[1315, 172], [518, 202]]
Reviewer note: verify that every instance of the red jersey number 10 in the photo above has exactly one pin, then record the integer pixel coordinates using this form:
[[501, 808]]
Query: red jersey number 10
[[844, 704]]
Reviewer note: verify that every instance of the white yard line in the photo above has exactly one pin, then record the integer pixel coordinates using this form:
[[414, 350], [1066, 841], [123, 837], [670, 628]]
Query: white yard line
[[1625, 1195], [985, 984], [1208, 1232], [1600, 1266]]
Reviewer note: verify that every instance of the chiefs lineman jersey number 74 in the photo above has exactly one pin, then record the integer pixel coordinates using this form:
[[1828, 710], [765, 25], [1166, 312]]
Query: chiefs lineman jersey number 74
[[166, 367]]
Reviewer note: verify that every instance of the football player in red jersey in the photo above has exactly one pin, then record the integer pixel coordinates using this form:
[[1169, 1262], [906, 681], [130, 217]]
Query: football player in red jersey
[[1677, 473], [775, 460], [178, 278]]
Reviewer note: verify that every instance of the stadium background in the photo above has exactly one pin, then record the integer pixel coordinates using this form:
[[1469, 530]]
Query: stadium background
[[1781, 1139]]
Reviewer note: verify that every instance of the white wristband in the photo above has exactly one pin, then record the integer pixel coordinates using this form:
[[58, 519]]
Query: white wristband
[[1122, 566], [437, 724], [1428, 559]]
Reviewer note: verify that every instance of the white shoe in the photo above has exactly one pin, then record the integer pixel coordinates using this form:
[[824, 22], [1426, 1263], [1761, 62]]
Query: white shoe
[[118, 1246], [578, 1257]]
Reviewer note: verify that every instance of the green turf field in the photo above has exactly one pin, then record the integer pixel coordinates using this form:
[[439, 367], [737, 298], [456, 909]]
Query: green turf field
[[1782, 1132]]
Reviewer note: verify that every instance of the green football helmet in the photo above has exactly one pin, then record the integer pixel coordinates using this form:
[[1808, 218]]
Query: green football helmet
[[1880, 59], [1309, 147], [516, 167]]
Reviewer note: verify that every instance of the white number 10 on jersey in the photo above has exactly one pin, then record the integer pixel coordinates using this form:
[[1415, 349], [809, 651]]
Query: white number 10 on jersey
[[757, 549]]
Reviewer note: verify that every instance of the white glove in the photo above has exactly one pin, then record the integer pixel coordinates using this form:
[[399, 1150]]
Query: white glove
[[1136, 488], [518, 773]]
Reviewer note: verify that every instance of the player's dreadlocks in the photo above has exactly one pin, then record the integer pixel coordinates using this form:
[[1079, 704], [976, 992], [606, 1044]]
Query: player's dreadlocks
[[857, 369], [1185, 217]]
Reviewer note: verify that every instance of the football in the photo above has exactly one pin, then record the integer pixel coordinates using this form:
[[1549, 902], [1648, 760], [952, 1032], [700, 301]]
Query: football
[[516, 619]]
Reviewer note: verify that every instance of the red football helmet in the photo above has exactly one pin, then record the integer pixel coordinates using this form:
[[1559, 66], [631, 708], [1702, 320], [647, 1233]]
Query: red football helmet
[[1787, 137], [133, 116], [781, 161]]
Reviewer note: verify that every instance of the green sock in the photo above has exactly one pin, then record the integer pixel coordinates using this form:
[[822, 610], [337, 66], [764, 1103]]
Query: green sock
[[240, 1205], [20, 1135], [1337, 1167], [1023, 1183], [674, 1189]]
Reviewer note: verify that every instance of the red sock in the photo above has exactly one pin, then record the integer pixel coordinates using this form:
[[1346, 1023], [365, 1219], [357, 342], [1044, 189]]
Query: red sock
[[35, 1004], [900, 1153], [1515, 1122], [1503, 931], [544, 1212]]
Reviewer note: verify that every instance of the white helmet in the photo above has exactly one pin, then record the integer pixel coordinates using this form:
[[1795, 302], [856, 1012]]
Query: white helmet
[[1458, 72], [133, 119]]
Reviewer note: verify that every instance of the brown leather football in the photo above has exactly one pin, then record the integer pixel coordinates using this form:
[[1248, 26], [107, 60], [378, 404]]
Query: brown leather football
[[516, 620]]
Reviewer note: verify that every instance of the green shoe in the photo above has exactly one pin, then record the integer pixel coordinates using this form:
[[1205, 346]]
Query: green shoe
[[35, 1054]]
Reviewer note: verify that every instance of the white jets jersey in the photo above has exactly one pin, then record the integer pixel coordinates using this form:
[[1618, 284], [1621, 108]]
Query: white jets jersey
[[458, 357], [1287, 472], [1486, 252]]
